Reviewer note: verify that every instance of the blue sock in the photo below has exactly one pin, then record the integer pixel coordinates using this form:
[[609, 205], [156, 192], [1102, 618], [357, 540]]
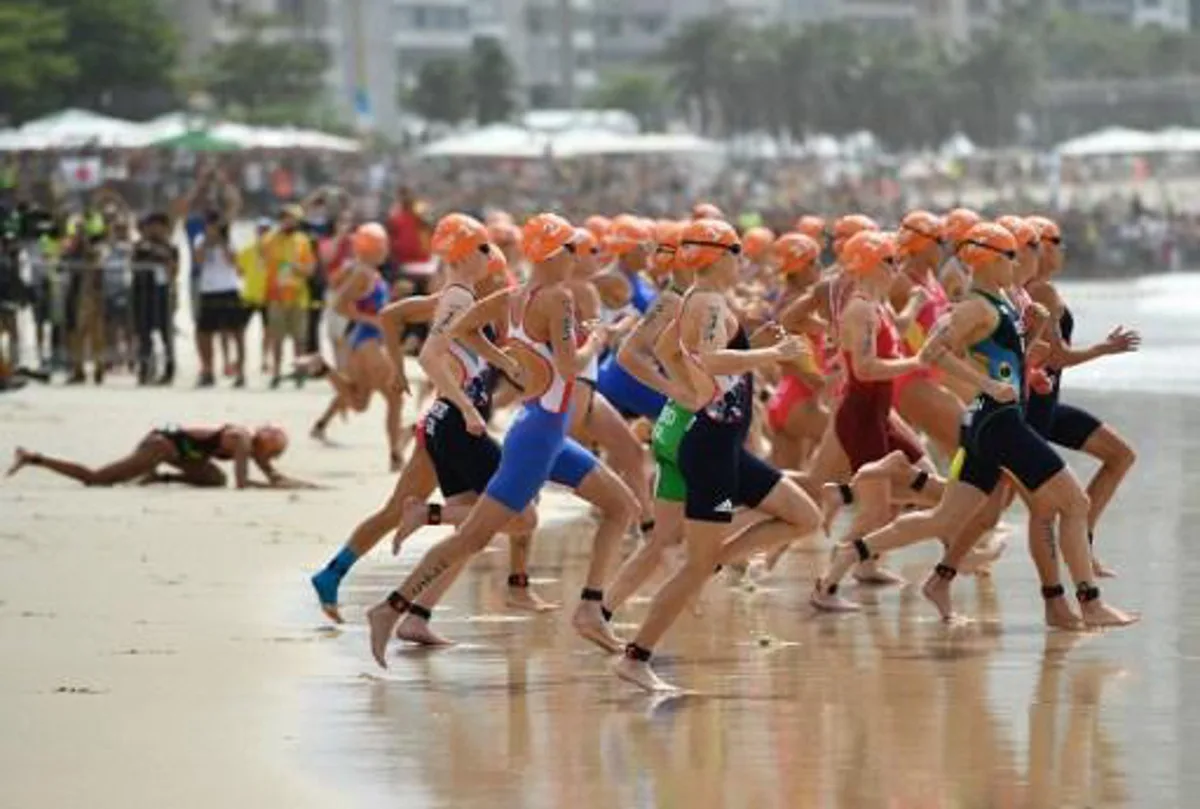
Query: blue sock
[[340, 565], [326, 582]]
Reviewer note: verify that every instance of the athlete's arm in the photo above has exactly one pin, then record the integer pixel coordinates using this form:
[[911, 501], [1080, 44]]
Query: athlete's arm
[[801, 315], [358, 283], [915, 299], [967, 323], [638, 352], [395, 316], [858, 338], [453, 302], [559, 309], [468, 330], [715, 359], [242, 450], [613, 288]]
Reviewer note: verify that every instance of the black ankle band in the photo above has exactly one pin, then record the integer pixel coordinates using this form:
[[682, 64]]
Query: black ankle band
[[590, 594], [831, 590], [421, 612], [607, 613], [635, 652], [1053, 591], [860, 547], [1085, 592], [920, 480], [718, 569], [647, 526], [847, 493], [518, 580], [398, 602], [433, 515], [944, 572], [1091, 539]]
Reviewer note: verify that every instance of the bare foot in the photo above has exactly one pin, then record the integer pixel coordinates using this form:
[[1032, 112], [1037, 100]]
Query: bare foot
[[413, 517], [21, 458], [826, 601], [523, 598], [639, 673], [1101, 570], [380, 620], [937, 591], [318, 432], [1097, 614], [1059, 615], [591, 626], [831, 504], [735, 573], [873, 572], [416, 630], [396, 462]]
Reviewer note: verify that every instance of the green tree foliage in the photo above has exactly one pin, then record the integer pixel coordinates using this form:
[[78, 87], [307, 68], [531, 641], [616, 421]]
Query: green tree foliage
[[442, 92], [909, 90], [116, 56], [641, 93], [265, 79], [31, 50], [492, 80]]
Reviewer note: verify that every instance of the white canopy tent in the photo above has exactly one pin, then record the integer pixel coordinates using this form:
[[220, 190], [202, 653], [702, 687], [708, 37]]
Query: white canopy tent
[[1113, 141], [76, 129], [502, 140]]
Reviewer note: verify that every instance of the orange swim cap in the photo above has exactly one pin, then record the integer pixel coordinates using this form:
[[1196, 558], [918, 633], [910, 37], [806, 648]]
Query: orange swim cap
[[813, 227], [1048, 230], [703, 241], [271, 439], [627, 234], [867, 252], [504, 234], [956, 224], [1022, 230], [544, 235], [983, 243], [586, 244], [369, 242], [795, 252], [667, 234], [919, 230], [598, 225], [456, 236], [706, 210], [757, 241]]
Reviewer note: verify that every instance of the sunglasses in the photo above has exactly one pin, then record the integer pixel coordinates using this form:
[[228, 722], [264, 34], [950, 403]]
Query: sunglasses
[[734, 249], [933, 237], [1054, 240], [1011, 255]]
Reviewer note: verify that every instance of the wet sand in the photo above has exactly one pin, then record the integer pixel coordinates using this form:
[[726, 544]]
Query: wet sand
[[162, 649]]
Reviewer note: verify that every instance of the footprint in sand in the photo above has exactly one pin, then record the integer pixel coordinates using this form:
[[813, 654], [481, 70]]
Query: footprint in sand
[[145, 652], [80, 689]]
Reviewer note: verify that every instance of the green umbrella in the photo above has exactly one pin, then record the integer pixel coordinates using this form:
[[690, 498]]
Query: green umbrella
[[197, 140]]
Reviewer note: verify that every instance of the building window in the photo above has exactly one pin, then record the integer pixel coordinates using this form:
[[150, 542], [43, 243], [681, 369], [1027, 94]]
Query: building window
[[608, 25], [535, 20], [651, 24]]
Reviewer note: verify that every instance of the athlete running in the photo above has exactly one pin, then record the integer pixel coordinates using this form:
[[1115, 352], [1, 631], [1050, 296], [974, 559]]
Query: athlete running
[[995, 437], [544, 358]]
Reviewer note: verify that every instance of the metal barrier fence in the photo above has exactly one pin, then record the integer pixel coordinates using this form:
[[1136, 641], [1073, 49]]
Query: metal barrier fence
[[102, 307]]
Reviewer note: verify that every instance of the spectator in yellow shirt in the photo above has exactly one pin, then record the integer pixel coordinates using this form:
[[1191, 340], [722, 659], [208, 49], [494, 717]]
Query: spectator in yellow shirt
[[252, 266], [289, 260]]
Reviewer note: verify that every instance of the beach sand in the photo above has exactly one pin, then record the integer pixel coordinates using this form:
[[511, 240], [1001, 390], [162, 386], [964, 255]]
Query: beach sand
[[161, 649]]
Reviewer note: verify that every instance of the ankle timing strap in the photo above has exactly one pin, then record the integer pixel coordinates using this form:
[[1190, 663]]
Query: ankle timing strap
[[1053, 591], [433, 514], [398, 602], [919, 481]]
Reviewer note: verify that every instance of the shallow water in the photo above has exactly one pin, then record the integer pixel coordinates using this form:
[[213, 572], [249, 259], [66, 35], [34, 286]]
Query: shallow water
[[886, 709]]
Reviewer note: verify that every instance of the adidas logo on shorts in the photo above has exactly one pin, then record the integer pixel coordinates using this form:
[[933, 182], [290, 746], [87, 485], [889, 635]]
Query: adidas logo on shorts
[[724, 507]]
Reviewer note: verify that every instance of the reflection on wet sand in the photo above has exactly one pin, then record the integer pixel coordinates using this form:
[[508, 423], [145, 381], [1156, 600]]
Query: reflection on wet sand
[[891, 708]]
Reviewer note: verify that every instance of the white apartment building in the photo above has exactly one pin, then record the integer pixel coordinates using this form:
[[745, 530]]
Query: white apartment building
[[559, 48]]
